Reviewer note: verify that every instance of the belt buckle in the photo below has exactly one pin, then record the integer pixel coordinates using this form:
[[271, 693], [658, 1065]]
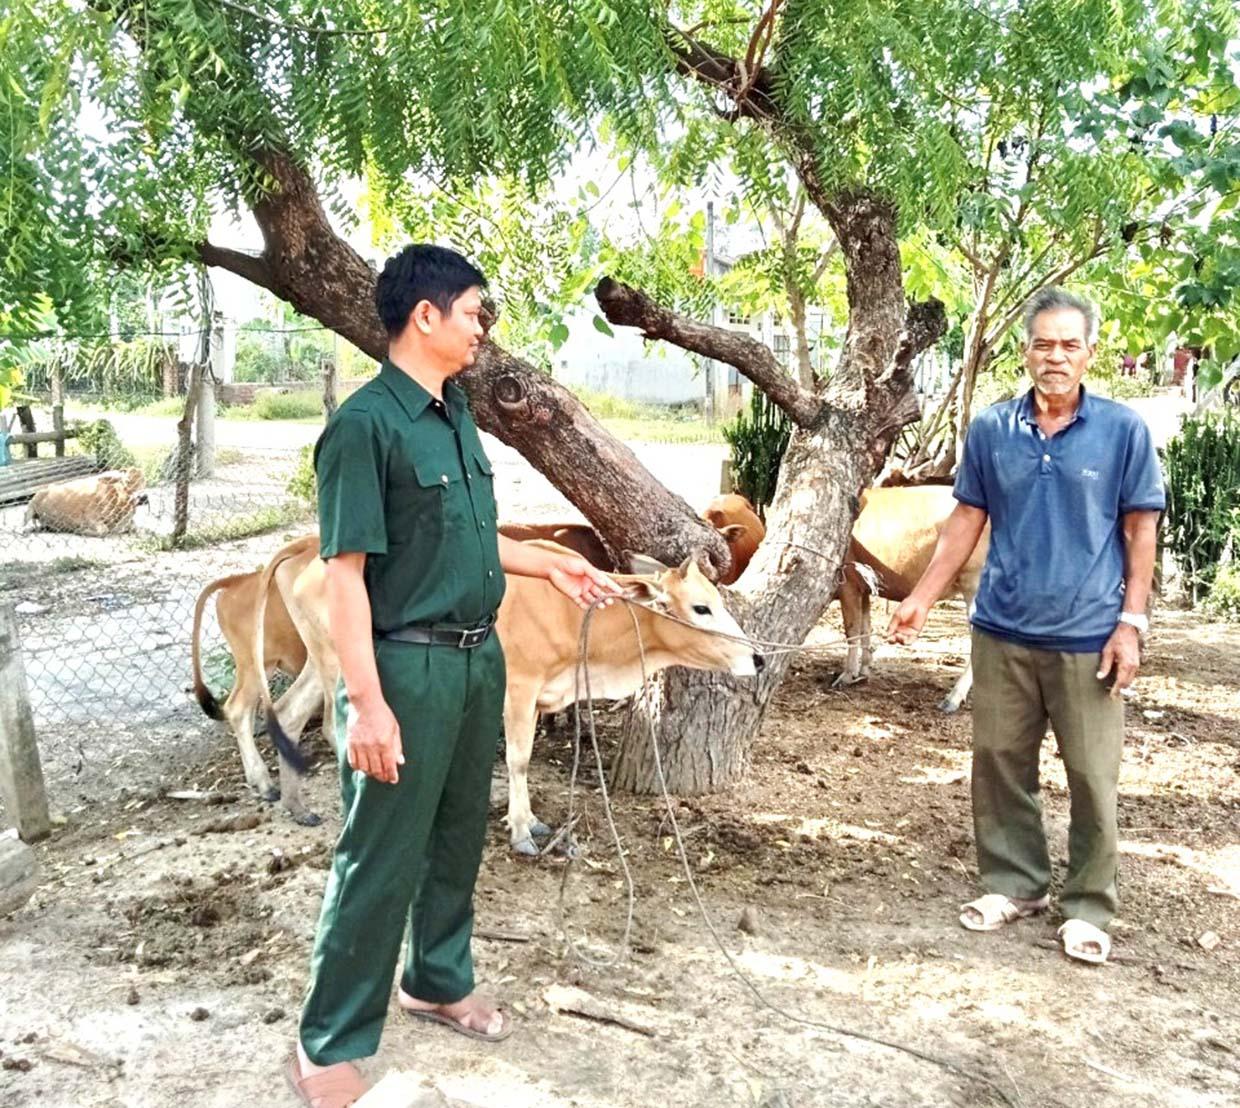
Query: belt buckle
[[475, 636]]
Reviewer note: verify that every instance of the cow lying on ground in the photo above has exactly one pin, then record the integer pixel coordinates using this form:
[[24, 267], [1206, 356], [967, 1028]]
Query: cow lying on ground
[[99, 505], [540, 629], [893, 540], [236, 608]]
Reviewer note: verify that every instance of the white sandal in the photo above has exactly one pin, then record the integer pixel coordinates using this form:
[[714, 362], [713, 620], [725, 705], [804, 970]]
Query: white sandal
[[1077, 935], [994, 910]]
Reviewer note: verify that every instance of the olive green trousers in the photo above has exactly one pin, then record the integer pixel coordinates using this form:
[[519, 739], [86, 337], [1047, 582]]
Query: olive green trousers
[[408, 854], [1016, 691]]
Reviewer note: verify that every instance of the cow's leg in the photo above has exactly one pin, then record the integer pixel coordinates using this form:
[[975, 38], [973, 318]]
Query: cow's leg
[[867, 644], [520, 715], [851, 599], [964, 683], [960, 691], [239, 711], [293, 710]]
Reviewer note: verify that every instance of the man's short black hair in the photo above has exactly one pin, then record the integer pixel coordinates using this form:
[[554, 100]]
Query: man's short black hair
[[422, 272]]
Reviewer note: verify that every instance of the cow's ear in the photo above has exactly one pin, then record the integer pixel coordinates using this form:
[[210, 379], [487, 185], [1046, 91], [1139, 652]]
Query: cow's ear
[[643, 564], [646, 592], [732, 532]]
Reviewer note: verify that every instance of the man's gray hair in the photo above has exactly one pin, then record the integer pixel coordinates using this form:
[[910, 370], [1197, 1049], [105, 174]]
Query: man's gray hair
[[1052, 299]]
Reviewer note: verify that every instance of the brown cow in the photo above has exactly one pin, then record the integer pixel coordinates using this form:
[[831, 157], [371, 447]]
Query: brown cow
[[580, 538], [540, 628], [99, 505], [893, 540], [235, 609], [737, 521], [732, 516]]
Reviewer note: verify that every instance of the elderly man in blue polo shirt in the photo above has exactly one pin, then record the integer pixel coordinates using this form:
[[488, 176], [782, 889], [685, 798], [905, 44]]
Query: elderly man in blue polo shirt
[[1071, 486]]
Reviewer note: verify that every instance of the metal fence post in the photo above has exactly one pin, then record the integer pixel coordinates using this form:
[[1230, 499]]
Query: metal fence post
[[21, 773]]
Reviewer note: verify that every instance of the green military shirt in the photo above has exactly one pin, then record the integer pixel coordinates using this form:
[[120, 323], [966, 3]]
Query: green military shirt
[[403, 479]]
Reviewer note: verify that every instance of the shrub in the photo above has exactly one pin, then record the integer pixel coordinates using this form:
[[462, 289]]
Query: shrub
[[758, 438], [100, 439], [1224, 598], [302, 484], [1203, 496]]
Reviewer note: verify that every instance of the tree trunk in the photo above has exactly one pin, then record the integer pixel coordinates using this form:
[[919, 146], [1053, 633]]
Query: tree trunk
[[805, 367], [976, 359], [705, 724]]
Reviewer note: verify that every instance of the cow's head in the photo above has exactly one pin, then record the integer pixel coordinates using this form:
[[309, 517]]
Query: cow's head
[[737, 522], [696, 608]]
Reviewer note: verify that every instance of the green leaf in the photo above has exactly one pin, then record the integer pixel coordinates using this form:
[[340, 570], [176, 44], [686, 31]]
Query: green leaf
[[600, 324]]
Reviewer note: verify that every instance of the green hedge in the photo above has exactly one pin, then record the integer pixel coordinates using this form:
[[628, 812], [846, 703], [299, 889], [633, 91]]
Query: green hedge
[[1203, 496]]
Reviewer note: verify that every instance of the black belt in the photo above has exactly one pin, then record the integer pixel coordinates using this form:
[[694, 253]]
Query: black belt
[[439, 634]]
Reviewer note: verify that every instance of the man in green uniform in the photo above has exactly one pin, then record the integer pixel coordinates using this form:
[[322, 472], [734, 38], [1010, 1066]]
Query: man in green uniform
[[415, 573]]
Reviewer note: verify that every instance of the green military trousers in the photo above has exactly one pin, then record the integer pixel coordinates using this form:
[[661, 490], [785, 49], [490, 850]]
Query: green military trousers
[[1016, 690], [408, 854]]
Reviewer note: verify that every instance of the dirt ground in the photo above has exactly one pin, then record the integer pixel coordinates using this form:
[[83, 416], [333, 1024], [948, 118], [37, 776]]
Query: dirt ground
[[162, 962]]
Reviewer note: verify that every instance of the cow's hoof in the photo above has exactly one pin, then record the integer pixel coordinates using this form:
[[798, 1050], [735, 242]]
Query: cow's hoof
[[949, 706], [307, 819], [539, 830], [270, 794], [526, 847], [843, 680]]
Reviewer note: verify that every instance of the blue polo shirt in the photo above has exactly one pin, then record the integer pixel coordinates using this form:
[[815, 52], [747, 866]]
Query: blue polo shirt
[[1054, 576]]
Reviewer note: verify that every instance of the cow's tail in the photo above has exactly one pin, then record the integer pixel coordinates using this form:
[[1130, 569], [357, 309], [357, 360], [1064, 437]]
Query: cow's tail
[[286, 747], [205, 697]]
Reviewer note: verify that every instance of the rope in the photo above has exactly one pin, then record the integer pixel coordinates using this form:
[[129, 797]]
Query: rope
[[583, 668]]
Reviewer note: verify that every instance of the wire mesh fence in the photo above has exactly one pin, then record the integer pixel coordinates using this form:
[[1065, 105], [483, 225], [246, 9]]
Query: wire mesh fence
[[104, 550]]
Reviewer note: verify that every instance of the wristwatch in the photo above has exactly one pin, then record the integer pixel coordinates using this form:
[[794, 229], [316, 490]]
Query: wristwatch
[[1137, 620]]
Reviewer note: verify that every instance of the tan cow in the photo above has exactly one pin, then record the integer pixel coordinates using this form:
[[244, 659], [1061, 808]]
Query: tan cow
[[893, 540], [102, 504], [236, 607], [540, 629]]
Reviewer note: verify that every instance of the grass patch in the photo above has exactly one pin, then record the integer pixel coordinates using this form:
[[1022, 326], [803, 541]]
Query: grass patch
[[627, 419], [649, 423], [304, 405], [239, 527], [73, 563], [664, 430]]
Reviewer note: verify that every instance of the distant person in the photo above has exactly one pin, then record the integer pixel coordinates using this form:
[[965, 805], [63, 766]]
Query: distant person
[[1071, 486]]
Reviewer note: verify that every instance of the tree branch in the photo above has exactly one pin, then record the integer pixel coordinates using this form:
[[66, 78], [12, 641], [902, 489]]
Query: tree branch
[[752, 93], [630, 307], [253, 267]]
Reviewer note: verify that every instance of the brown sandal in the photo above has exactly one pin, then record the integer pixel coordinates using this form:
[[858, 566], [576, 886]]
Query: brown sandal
[[337, 1087], [433, 1015]]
